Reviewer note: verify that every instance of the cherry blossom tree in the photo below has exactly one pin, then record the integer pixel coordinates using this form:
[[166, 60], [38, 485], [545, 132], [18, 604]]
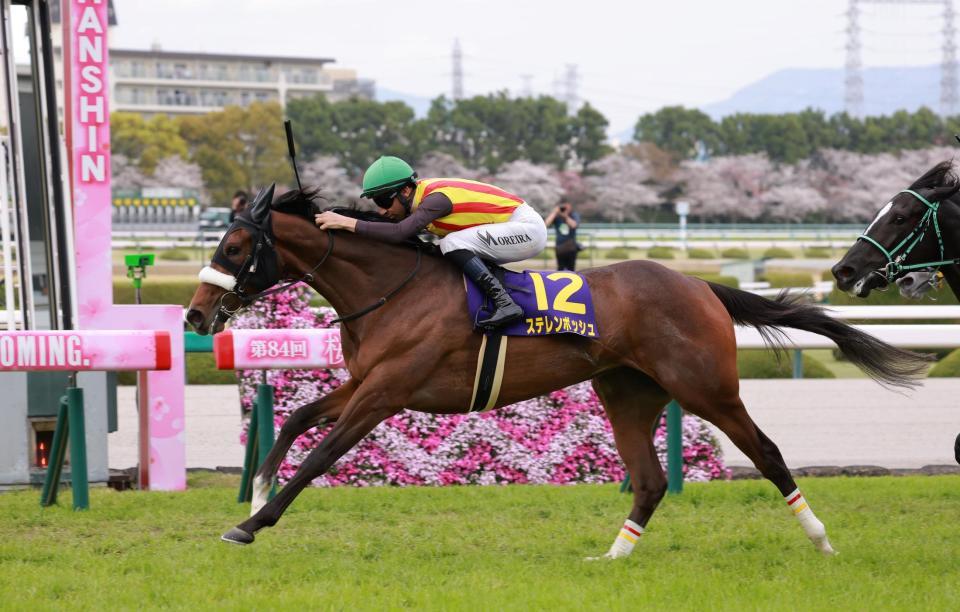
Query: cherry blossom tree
[[619, 188], [335, 185], [537, 184], [443, 165], [730, 187], [125, 175], [173, 171]]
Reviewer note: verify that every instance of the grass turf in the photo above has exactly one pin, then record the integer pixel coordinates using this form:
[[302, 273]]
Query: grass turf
[[721, 545]]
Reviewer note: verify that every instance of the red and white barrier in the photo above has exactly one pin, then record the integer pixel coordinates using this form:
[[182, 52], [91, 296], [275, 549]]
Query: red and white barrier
[[268, 349], [84, 350]]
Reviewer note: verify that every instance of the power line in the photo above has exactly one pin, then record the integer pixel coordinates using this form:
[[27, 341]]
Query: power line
[[853, 82], [457, 70]]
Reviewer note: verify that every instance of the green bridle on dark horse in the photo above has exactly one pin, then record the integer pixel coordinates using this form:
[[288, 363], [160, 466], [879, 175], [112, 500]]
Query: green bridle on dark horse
[[895, 257]]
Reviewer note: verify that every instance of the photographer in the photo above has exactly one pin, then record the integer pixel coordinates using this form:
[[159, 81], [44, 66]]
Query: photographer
[[565, 221]]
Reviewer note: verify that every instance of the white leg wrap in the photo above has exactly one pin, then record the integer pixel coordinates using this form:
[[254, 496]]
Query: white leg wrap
[[626, 540], [261, 490], [809, 521]]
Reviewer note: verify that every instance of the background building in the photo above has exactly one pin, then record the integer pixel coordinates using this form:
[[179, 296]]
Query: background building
[[157, 81]]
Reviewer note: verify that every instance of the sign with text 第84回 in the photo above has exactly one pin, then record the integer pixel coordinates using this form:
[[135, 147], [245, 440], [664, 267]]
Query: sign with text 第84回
[[263, 349]]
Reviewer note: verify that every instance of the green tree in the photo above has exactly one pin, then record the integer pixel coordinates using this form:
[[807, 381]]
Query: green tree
[[356, 131], [145, 142], [238, 148], [589, 135], [679, 130]]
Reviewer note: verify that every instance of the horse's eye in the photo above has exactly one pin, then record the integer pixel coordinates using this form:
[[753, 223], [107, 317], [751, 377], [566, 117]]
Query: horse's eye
[[232, 250], [899, 219]]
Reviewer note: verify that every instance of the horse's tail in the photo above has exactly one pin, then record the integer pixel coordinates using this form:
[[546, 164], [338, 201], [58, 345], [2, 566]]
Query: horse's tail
[[883, 362]]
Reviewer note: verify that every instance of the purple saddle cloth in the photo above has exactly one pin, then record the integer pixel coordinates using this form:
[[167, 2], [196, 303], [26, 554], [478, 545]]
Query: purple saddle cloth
[[552, 302]]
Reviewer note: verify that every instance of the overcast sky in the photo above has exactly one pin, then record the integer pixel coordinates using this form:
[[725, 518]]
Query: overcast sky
[[632, 56]]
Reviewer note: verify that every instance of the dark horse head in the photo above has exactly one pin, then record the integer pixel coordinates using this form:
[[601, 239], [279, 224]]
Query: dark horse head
[[250, 259], [906, 232]]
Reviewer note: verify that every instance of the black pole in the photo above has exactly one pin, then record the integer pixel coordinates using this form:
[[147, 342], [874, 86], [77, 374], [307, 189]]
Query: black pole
[[293, 153]]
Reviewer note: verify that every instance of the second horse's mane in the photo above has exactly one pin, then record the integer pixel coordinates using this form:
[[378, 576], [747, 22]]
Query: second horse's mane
[[941, 175]]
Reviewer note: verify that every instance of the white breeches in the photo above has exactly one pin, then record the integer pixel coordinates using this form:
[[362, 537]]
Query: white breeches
[[523, 236]]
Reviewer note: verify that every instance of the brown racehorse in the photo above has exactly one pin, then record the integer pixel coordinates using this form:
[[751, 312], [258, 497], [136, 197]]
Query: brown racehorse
[[663, 335]]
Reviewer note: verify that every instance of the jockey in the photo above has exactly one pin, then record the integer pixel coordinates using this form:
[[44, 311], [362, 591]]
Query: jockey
[[474, 220]]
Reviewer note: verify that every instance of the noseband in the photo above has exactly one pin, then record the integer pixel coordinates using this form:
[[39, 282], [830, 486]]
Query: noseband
[[261, 264], [898, 254]]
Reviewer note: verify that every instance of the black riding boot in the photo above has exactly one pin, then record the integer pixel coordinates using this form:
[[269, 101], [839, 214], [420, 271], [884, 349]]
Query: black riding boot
[[506, 310]]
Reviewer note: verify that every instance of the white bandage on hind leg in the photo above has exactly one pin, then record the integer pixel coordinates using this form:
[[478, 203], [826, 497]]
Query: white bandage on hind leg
[[808, 520], [626, 540], [215, 277]]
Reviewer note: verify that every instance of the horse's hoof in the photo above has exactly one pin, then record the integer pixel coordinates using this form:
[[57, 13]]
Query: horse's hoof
[[237, 536]]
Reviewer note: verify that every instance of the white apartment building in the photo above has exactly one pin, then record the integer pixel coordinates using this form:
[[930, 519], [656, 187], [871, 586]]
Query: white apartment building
[[174, 82], [155, 81]]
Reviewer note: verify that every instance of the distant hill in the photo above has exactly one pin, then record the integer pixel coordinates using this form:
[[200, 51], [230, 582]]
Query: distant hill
[[419, 104], [885, 90]]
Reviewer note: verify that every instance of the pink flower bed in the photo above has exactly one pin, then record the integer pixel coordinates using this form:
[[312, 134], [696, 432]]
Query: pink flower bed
[[560, 438]]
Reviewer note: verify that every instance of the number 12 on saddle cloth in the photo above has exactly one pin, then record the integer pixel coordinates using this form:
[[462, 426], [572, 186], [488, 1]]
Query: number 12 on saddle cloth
[[552, 302]]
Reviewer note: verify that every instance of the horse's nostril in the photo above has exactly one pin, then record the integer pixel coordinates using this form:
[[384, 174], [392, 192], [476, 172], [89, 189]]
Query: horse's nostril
[[906, 281], [842, 273], [194, 317]]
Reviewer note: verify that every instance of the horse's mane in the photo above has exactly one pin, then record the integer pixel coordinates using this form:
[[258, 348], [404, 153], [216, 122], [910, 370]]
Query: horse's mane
[[941, 175], [303, 203]]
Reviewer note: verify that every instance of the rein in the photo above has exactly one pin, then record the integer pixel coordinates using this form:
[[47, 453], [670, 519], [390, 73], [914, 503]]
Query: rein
[[250, 264], [895, 266], [383, 300]]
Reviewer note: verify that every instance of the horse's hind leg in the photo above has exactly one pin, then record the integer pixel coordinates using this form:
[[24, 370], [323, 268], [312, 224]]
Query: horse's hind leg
[[303, 418], [730, 416], [632, 402]]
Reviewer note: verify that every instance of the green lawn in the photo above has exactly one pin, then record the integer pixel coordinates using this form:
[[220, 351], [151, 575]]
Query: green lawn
[[722, 545]]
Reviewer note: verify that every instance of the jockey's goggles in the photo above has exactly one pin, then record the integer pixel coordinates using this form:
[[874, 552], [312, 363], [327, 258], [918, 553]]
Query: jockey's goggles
[[385, 200]]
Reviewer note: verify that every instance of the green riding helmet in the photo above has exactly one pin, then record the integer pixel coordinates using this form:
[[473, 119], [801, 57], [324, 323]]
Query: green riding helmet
[[385, 174]]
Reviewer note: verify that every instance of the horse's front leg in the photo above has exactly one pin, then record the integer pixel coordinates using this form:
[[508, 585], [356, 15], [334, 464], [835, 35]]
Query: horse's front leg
[[330, 406], [370, 404]]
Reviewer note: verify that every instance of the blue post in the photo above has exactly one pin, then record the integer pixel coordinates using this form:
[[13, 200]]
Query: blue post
[[798, 363]]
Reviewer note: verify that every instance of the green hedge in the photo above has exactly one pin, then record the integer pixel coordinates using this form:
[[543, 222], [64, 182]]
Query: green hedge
[[735, 253], [818, 253], [713, 277], [617, 253], [699, 253], [201, 370], [764, 364], [788, 279], [890, 297], [156, 291], [175, 255], [660, 252], [777, 253], [948, 367]]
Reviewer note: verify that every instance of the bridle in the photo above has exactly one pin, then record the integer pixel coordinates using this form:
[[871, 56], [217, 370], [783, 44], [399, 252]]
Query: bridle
[[261, 263], [899, 253]]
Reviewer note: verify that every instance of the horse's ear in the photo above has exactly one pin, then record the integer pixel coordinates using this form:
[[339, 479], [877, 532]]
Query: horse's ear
[[945, 192], [261, 204]]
